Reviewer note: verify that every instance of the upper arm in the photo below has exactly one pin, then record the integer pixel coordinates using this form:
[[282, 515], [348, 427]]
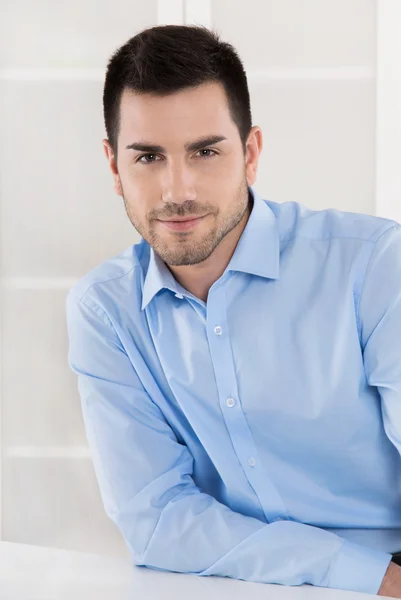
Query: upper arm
[[380, 311], [131, 442]]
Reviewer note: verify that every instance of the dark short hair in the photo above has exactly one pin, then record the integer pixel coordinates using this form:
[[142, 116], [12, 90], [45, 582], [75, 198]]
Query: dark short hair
[[168, 58]]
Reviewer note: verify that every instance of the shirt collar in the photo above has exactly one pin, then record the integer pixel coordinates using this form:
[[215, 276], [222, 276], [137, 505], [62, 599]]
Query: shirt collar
[[257, 252]]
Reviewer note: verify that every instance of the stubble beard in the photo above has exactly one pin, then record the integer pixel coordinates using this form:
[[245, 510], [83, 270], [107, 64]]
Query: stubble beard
[[185, 249]]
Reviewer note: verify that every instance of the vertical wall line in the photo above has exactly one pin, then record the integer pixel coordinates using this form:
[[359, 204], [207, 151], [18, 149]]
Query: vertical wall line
[[388, 110]]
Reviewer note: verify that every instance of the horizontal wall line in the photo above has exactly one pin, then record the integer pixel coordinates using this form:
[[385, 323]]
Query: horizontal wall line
[[46, 452], [253, 73], [310, 73], [52, 74], [38, 283]]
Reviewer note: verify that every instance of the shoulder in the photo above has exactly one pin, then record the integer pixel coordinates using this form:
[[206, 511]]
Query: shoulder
[[116, 279], [297, 220]]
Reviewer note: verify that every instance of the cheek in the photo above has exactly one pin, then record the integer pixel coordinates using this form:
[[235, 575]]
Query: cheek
[[221, 172], [232, 168], [141, 183]]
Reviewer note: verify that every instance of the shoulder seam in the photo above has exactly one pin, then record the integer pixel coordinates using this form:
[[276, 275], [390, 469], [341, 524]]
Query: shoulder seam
[[342, 237], [94, 308], [105, 280]]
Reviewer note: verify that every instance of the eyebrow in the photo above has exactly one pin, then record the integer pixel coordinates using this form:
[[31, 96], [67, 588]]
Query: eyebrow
[[198, 144]]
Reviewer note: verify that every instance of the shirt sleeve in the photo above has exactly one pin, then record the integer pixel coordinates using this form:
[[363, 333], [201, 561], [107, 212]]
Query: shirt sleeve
[[145, 480], [380, 316]]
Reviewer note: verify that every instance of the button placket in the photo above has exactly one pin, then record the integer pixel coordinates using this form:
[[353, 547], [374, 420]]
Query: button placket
[[238, 429]]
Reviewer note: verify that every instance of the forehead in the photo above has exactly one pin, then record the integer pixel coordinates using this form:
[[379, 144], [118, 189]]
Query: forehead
[[188, 114]]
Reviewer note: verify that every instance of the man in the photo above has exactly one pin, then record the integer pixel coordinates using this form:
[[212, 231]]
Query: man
[[239, 368]]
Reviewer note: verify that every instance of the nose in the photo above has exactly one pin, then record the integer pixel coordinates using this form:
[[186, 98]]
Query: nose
[[178, 184]]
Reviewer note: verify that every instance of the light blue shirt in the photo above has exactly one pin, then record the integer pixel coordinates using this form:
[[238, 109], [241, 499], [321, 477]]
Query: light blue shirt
[[256, 436]]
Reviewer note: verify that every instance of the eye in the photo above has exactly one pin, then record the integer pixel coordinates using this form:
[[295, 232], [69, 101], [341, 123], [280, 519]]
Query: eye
[[208, 155], [149, 158]]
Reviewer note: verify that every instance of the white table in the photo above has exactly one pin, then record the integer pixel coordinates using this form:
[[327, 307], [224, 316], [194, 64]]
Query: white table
[[38, 573]]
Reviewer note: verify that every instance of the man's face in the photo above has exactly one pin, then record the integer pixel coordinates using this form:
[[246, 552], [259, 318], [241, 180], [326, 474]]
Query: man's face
[[164, 175]]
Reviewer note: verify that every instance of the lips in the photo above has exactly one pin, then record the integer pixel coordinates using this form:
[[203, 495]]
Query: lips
[[183, 225], [181, 220]]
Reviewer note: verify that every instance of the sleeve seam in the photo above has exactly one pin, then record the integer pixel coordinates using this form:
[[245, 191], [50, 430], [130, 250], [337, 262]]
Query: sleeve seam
[[363, 278]]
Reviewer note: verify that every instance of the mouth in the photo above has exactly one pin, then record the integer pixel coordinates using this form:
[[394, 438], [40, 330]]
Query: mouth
[[183, 224]]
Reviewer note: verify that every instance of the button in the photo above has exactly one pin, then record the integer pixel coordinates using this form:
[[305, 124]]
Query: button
[[218, 330], [251, 461], [230, 402], [180, 296]]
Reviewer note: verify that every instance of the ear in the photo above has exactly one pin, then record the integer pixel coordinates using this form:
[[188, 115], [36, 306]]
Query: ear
[[113, 166], [254, 147]]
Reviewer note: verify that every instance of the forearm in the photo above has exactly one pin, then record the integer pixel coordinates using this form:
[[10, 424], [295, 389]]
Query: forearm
[[196, 534]]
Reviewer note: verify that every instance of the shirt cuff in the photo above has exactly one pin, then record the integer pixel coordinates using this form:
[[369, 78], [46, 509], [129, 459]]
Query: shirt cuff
[[358, 568]]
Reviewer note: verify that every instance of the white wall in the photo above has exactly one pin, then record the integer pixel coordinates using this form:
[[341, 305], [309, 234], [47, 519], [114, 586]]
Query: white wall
[[312, 75]]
